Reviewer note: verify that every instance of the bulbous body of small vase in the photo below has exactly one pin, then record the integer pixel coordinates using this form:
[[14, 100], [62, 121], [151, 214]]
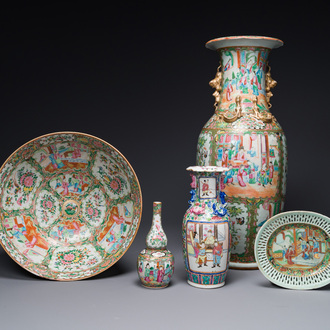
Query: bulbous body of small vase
[[155, 263], [206, 230], [245, 137], [155, 268]]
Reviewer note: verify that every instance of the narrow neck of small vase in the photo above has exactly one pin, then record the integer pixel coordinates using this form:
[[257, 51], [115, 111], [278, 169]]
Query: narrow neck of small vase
[[156, 238], [206, 184], [156, 212], [243, 78]]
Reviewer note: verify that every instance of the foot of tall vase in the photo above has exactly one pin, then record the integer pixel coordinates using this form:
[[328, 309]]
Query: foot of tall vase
[[203, 286]]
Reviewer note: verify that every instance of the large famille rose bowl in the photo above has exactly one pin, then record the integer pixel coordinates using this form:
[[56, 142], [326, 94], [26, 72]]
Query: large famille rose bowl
[[70, 206]]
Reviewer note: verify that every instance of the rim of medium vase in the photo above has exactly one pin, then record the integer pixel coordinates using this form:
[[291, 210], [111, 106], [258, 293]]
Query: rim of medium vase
[[237, 41], [207, 169]]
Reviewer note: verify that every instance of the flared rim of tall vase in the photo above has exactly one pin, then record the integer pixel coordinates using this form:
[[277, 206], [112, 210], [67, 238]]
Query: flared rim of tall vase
[[244, 41]]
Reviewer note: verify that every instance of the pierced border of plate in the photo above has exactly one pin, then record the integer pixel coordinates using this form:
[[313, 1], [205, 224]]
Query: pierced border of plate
[[260, 250]]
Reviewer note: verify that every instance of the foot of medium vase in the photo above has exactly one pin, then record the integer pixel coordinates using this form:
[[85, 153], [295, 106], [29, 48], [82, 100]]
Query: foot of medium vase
[[205, 286], [243, 266]]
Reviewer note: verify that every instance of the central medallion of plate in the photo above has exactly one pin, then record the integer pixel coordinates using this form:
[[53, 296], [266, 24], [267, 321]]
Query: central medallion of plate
[[71, 208]]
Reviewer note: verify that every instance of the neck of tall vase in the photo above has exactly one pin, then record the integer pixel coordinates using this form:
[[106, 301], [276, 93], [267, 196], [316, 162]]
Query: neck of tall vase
[[243, 84]]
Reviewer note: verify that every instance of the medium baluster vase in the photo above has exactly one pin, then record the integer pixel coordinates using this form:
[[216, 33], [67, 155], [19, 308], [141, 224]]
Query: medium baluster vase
[[244, 136], [155, 263], [206, 229]]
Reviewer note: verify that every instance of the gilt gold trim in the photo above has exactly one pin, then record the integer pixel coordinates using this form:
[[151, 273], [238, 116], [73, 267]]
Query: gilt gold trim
[[229, 116], [265, 117], [216, 83], [270, 83]]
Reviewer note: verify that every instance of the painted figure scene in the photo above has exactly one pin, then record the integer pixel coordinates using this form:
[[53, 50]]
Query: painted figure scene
[[63, 156], [244, 74], [70, 231], [24, 234], [116, 229], [207, 188], [207, 247], [70, 184], [253, 162], [299, 247], [157, 272]]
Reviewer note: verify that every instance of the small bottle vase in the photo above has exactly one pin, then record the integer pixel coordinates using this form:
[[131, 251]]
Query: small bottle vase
[[155, 263]]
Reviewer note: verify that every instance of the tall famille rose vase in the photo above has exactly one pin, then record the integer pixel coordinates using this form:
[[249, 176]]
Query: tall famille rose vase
[[206, 229], [244, 136]]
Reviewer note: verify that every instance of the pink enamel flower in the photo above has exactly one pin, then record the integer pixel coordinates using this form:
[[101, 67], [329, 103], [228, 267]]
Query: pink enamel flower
[[114, 184], [69, 257], [28, 181], [49, 204], [90, 211]]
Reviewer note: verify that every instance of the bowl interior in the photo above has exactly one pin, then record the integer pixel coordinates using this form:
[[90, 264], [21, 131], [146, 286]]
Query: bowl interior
[[70, 205]]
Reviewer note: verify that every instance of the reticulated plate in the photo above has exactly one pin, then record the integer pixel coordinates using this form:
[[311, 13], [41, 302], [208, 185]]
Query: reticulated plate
[[70, 206], [292, 250]]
